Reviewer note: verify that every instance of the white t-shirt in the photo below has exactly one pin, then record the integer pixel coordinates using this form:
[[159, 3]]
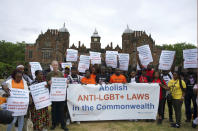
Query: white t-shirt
[[167, 78], [133, 80]]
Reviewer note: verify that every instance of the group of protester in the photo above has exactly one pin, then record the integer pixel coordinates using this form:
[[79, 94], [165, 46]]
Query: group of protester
[[176, 87]]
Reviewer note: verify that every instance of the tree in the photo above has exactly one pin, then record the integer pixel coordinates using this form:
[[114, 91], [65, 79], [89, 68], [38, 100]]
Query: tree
[[178, 47], [11, 55]]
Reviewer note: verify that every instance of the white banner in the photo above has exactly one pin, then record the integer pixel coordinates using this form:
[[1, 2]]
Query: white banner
[[40, 95], [83, 63], [18, 101], [113, 101], [190, 58], [72, 55], [123, 61], [95, 57], [145, 54], [34, 67], [166, 59], [58, 89]]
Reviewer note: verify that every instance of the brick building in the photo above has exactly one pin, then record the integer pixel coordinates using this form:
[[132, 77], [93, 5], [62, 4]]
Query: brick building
[[53, 43]]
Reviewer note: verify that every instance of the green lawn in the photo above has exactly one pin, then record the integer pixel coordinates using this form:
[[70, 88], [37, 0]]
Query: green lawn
[[125, 126]]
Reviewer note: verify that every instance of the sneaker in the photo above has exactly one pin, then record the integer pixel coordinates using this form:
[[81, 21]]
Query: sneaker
[[193, 125], [65, 128], [68, 122], [78, 122], [175, 125]]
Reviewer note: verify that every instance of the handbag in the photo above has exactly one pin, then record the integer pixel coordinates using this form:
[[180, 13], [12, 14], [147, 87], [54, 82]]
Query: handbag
[[169, 96], [6, 117]]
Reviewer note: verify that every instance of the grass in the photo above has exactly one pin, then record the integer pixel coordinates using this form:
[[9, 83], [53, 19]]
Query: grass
[[126, 125]]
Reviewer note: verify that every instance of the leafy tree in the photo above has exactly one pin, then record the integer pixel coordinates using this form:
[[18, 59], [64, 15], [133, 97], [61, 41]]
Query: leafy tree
[[178, 47], [11, 55]]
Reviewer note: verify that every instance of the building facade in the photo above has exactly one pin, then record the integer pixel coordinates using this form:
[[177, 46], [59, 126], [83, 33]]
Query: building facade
[[52, 45]]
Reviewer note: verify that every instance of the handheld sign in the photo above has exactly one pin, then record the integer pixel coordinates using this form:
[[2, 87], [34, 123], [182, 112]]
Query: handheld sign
[[190, 58], [123, 61], [40, 95], [111, 59], [95, 57], [58, 89], [18, 101], [83, 63], [166, 59], [145, 54], [34, 67], [72, 55]]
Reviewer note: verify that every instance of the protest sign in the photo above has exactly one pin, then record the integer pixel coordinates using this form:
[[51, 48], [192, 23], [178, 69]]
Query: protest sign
[[145, 55], [111, 59], [40, 95], [58, 89], [67, 64], [190, 58], [18, 101], [72, 55], [113, 101], [123, 61], [34, 67], [95, 57], [166, 59], [83, 63]]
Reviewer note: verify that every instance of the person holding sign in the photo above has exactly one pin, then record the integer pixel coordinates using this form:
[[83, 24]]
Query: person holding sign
[[143, 78], [88, 79], [148, 69], [117, 77], [58, 115], [40, 118], [17, 82], [163, 87]]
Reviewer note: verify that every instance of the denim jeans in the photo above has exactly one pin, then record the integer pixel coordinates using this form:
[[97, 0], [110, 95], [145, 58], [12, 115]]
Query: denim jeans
[[20, 123]]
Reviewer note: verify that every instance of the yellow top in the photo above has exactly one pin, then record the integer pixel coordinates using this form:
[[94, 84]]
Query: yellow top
[[175, 88]]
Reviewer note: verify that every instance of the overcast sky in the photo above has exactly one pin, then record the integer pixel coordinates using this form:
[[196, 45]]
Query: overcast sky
[[168, 21]]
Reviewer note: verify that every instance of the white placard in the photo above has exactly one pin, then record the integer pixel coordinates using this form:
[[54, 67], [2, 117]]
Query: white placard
[[113, 101], [34, 67], [95, 57], [83, 63], [18, 101], [166, 59], [123, 61], [145, 55], [190, 58], [72, 55], [111, 60], [40, 95], [67, 64], [58, 89], [112, 52]]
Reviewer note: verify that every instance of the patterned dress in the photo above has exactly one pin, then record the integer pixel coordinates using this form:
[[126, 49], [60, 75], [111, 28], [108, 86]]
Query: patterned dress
[[40, 118]]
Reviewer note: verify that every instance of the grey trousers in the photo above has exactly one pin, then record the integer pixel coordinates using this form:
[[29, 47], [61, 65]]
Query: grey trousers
[[177, 105]]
